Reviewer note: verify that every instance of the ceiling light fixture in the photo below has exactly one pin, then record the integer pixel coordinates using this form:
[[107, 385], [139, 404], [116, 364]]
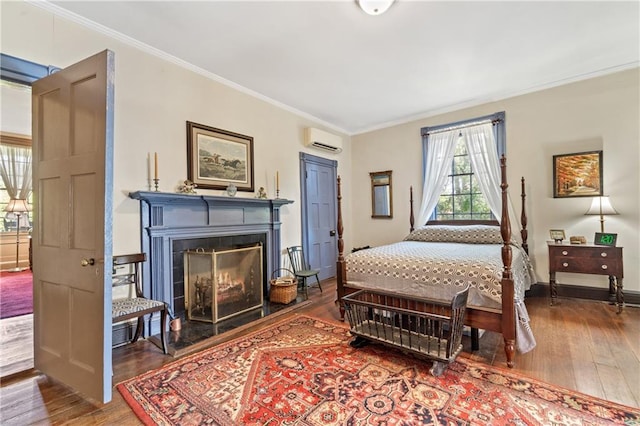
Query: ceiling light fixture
[[375, 7]]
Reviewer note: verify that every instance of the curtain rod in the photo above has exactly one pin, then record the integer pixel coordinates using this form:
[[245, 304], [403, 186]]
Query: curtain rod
[[464, 126]]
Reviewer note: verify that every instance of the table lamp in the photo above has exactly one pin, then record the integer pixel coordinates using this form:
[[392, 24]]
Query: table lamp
[[601, 206], [17, 207]]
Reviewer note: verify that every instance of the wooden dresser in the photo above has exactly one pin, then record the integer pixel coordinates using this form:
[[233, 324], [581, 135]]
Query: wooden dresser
[[587, 259]]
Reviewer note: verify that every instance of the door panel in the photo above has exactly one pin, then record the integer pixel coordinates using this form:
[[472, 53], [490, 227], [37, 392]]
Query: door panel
[[319, 213], [72, 181], [51, 202], [83, 219]]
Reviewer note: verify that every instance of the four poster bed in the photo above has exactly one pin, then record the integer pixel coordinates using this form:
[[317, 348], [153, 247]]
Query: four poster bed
[[438, 259]]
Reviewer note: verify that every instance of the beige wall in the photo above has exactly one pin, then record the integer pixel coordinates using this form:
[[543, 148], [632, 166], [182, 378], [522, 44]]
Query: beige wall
[[154, 98], [600, 113]]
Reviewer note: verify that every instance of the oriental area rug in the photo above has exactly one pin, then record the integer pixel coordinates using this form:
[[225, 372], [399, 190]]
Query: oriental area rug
[[302, 371]]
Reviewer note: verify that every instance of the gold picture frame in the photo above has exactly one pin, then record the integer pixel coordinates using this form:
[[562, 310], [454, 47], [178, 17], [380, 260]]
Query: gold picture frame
[[577, 175], [217, 158]]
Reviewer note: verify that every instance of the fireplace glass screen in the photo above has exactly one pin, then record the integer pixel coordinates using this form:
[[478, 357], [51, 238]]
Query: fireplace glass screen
[[220, 284]]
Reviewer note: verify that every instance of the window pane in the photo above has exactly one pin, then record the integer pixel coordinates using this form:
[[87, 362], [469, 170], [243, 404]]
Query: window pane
[[462, 204], [461, 147], [475, 187], [448, 187], [462, 184], [480, 204], [461, 165], [445, 205]]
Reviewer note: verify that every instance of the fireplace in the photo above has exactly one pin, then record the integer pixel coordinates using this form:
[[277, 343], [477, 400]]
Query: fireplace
[[220, 284], [172, 224]]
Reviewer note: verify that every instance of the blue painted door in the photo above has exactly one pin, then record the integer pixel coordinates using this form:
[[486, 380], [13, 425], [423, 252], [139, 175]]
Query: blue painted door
[[319, 217]]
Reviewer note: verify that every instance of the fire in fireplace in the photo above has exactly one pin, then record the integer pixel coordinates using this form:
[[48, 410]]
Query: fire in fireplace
[[220, 284]]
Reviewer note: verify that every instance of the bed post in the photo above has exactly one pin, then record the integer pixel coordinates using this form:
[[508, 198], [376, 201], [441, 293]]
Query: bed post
[[340, 265], [411, 219], [508, 301], [523, 219]]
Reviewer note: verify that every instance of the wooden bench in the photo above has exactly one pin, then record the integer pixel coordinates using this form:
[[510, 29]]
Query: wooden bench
[[126, 271]]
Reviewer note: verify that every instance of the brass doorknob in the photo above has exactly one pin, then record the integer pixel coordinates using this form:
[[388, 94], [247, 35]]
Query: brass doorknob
[[87, 262]]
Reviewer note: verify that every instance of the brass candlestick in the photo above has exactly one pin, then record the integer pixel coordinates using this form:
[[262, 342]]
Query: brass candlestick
[[277, 194], [155, 183]]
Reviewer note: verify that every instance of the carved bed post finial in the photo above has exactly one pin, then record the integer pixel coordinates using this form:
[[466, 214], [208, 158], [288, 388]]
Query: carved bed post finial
[[505, 223], [411, 219], [523, 219]]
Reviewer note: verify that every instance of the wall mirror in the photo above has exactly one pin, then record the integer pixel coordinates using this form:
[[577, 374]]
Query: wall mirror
[[381, 195]]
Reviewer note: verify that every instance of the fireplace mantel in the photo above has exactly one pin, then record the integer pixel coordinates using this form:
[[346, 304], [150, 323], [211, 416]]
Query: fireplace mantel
[[165, 217]]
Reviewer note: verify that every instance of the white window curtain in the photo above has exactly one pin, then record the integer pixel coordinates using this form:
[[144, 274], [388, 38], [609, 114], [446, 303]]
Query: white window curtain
[[483, 155], [481, 146], [15, 170], [438, 151]]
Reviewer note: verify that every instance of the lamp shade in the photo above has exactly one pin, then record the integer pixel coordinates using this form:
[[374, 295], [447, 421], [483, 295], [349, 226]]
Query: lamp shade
[[601, 206], [17, 206], [375, 7]]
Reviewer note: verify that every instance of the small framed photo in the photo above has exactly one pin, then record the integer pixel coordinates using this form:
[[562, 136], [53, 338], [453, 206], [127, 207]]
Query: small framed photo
[[577, 175], [217, 158], [557, 235], [605, 239]]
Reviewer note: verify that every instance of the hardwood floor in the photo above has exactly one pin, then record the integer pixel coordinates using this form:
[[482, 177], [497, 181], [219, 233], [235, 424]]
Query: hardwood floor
[[582, 345], [16, 350]]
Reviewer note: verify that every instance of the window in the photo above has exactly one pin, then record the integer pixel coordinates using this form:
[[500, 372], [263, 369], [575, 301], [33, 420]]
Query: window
[[461, 197], [20, 158], [452, 189]]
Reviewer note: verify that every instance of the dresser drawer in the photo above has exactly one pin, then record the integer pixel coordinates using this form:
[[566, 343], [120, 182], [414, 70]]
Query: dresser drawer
[[598, 266], [586, 252]]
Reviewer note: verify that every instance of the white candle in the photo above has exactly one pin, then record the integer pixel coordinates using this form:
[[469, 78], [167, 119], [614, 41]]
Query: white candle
[[277, 181], [156, 166]]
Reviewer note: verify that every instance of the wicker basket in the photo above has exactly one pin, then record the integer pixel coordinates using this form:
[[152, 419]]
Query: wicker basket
[[283, 292]]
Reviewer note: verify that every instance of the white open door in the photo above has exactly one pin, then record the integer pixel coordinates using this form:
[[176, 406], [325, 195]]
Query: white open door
[[72, 246]]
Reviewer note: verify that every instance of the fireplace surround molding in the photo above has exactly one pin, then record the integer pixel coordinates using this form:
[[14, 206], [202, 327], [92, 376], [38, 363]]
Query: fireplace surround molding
[[167, 217]]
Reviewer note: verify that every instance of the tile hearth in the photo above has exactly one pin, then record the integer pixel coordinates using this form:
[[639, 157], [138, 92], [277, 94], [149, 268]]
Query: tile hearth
[[196, 335]]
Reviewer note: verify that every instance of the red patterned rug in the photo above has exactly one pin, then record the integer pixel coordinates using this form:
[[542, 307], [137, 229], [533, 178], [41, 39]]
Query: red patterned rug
[[303, 372]]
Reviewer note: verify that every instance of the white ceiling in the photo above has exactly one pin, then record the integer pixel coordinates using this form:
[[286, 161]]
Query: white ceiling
[[355, 72]]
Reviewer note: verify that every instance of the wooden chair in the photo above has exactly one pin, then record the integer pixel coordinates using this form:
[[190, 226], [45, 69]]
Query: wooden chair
[[135, 307], [301, 268]]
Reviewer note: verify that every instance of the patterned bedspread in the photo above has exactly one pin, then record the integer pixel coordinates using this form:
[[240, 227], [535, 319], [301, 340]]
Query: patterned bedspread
[[439, 270]]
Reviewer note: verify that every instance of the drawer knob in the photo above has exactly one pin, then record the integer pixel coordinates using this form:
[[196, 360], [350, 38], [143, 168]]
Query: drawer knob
[[604, 266], [603, 254], [565, 264], [564, 252]]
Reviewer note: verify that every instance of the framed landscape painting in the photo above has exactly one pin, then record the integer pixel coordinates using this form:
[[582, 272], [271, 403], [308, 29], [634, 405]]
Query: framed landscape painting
[[217, 158], [577, 175]]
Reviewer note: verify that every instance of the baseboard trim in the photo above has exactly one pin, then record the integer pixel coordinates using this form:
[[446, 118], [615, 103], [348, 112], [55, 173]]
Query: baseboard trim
[[582, 292]]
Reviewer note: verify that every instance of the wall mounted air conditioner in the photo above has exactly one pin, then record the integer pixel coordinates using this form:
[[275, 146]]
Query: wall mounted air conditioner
[[320, 139]]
